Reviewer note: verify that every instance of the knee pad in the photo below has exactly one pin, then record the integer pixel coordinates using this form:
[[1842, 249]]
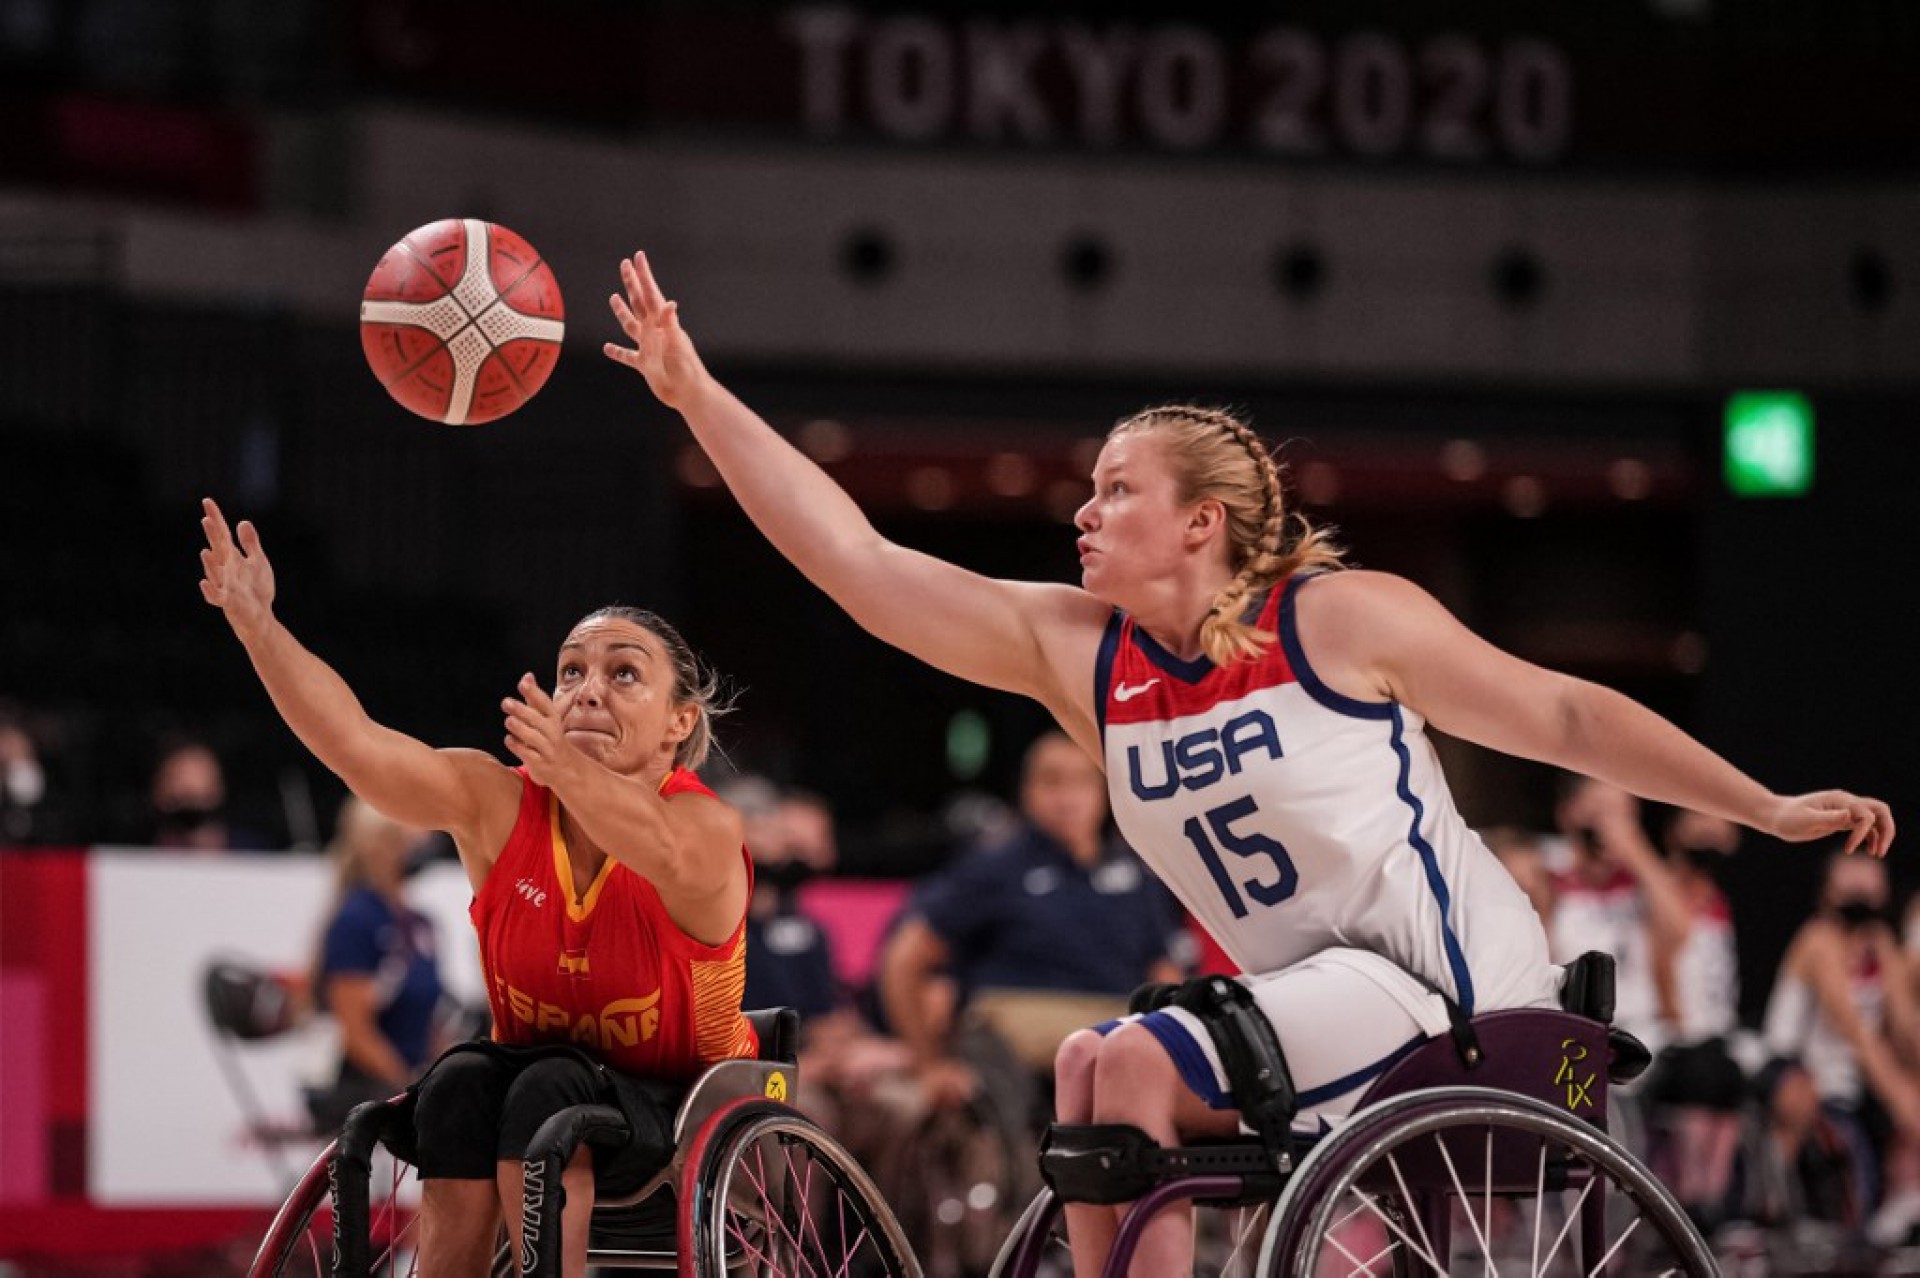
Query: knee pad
[[541, 1090], [456, 1114]]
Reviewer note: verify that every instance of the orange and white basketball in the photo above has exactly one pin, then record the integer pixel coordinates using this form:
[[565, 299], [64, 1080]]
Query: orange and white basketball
[[461, 321]]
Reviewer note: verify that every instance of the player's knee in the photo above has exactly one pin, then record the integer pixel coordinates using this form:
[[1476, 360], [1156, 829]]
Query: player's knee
[[542, 1090], [1073, 1064], [455, 1113], [1073, 1069], [1133, 1075]]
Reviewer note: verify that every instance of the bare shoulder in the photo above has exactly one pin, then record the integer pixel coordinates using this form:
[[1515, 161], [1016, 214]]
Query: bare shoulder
[[1067, 624], [1361, 595], [712, 817], [490, 782], [1357, 627]]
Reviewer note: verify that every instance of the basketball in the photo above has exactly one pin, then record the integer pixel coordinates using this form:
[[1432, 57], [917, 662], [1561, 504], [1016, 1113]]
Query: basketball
[[461, 321]]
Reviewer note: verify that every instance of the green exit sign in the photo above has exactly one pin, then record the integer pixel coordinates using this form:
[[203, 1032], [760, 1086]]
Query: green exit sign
[[1769, 444]]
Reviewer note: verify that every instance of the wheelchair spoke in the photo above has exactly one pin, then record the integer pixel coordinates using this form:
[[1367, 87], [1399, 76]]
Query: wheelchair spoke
[[1573, 1217], [1372, 1204], [1626, 1233], [1400, 1179], [1466, 1203]]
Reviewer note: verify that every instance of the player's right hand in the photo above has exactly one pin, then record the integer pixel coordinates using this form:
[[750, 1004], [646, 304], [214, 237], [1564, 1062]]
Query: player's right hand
[[661, 351], [236, 577]]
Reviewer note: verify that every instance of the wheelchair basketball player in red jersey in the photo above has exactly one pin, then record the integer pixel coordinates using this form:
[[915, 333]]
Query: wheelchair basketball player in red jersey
[[1260, 712], [610, 894]]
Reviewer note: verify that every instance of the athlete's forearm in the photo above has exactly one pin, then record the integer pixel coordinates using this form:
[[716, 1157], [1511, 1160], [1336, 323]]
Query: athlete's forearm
[[316, 703], [1614, 738]]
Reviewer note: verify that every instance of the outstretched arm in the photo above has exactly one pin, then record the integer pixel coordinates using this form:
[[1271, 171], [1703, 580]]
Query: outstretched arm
[[464, 792], [1398, 642], [1009, 635]]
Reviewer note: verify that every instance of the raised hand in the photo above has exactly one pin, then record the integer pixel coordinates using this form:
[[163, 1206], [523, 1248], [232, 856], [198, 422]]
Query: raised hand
[[236, 577], [535, 734], [1802, 818], [661, 351]]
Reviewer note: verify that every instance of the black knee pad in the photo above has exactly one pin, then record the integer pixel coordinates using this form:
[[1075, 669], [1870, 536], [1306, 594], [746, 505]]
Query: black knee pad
[[456, 1115], [543, 1089]]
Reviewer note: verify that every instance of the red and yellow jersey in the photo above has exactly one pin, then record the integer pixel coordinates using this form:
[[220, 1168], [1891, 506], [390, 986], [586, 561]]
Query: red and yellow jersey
[[609, 971]]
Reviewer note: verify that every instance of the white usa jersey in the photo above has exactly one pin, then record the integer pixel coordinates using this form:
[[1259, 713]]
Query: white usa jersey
[[1290, 819]]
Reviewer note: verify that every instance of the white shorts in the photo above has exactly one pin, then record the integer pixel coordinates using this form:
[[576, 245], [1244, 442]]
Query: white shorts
[[1343, 1017]]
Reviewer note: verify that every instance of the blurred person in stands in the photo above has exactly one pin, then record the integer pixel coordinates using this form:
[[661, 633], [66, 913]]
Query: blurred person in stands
[[1041, 935], [29, 812], [1697, 1089], [378, 973], [1794, 1164], [1520, 852], [1843, 1007], [1613, 892], [790, 964], [187, 799], [606, 877], [1261, 716]]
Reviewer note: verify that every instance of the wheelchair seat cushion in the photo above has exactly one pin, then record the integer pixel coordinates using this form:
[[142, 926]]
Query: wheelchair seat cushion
[[481, 1103]]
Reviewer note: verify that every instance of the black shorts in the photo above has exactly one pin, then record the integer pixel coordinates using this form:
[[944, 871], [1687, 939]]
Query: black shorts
[[481, 1103], [1697, 1074]]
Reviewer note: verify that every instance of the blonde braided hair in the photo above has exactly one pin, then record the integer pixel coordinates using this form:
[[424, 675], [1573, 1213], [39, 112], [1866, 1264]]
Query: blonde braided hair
[[1215, 455]]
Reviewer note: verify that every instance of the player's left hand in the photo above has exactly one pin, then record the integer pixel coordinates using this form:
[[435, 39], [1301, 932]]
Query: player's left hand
[[1801, 818], [536, 736]]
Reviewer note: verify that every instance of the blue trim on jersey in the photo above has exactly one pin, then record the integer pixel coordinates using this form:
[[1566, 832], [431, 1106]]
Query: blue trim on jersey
[[1341, 1086], [1196, 1071], [1185, 671], [1303, 671], [1456, 959], [1103, 668]]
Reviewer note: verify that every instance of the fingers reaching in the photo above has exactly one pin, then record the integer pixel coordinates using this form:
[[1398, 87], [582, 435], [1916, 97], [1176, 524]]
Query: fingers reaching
[[651, 298]]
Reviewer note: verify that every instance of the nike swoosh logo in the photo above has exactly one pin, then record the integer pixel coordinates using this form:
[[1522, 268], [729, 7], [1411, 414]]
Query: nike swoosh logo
[[1127, 692]]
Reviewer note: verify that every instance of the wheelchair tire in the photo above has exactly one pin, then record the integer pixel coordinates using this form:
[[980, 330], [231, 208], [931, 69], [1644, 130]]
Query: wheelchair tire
[[299, 1242], [739, 1212], [1360, 1172]]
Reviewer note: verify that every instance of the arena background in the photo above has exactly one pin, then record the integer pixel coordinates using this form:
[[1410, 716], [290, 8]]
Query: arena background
[[1492, 274]]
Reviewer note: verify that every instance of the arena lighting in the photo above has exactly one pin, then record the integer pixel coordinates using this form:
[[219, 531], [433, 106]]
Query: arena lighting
[[1463, 461], [1768, 440], [1517, 276], [1086, 262], [1299, 271], [868, 256]]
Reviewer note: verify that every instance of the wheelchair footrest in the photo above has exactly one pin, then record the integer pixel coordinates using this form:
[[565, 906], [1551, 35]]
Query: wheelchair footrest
[[1116, 1163]]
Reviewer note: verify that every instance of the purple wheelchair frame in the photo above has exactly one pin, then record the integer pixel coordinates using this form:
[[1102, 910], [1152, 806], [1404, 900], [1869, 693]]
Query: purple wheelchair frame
[[1551, 1056]]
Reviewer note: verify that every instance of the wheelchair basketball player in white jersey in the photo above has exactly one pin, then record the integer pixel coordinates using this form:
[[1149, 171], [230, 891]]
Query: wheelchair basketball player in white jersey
[[1260, 713]]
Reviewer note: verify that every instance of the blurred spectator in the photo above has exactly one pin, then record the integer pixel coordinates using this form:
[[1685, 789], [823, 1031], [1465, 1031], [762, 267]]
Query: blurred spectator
[[790, 963], [1520, 851], [378, 972], [187, 799], [28, 813], [1612, 892], [1794, 1166], [1842, 1007], [1698, 1089], [1042, 935]]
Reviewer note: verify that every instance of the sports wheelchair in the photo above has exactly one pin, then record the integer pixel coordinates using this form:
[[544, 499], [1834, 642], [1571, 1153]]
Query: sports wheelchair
[[1483, 1151], [752, 1187]]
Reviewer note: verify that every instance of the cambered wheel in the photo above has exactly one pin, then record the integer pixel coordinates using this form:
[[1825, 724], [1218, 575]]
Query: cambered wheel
[[1464, 1180], [766, 1193]]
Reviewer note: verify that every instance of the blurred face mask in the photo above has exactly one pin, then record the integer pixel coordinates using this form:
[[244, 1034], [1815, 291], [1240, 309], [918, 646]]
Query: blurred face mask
[[784, 877], [1858, 912]]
